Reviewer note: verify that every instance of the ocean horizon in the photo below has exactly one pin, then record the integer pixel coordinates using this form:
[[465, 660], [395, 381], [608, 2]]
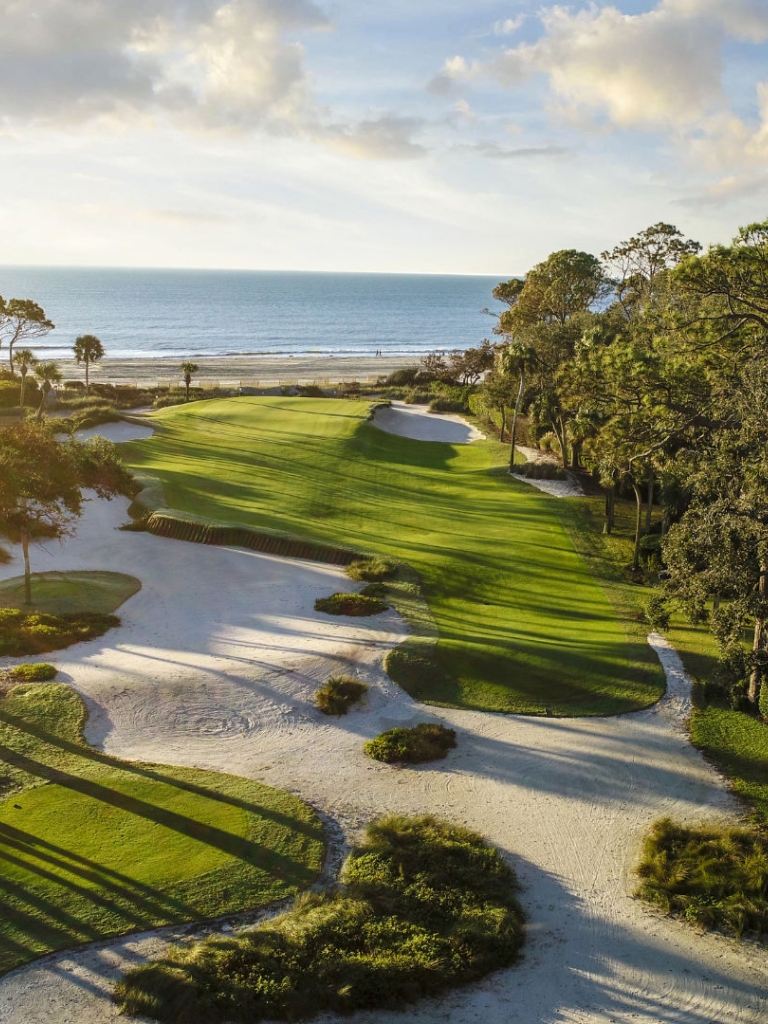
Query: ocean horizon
[[149, 314]]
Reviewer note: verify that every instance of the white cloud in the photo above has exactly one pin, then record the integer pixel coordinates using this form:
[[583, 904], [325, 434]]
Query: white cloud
[[658, 70], [464, 110], [224, 62], [508, 26]]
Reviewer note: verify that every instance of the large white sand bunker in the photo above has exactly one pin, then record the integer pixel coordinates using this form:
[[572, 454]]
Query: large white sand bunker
[[117, 432], [215, 665], [415, 422]]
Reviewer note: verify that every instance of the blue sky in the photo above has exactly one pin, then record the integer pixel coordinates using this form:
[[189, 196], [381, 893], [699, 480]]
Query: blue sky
[[460, 137]]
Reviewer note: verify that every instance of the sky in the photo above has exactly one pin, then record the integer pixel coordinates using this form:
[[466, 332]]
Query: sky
[[466, 136]]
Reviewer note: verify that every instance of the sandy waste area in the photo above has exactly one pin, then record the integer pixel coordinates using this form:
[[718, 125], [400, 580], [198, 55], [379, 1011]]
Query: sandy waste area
[[215, 665]]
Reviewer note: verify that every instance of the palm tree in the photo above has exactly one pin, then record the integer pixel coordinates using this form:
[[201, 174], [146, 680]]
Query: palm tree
[[88, 349], [25, 360], [188, 368], [48, 374]]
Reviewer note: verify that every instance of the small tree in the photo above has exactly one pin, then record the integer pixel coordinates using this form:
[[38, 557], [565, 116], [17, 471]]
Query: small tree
[[189, 369], [22, 320], [43, 480], [25, 360], [88, 349], [48, 374]]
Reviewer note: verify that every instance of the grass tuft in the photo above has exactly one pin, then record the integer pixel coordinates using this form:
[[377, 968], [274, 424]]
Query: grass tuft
[[41, 672], [23, 633], [350, 604], [711, 877], [426, 906], [371, 570], [427, 741], [338, 695]]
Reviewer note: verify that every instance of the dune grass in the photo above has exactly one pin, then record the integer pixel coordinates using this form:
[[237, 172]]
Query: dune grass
[[524, 625], [54, 593], [338, 695], [426, 906], [427, 741], [92, 847]]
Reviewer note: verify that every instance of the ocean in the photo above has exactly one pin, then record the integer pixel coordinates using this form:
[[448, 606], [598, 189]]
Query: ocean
[[188, 313]]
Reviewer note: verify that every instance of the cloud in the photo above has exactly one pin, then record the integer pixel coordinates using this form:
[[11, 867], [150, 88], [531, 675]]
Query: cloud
[[464, 110], [658, 70], [508, 26], [209, 62], [728, 190], [495, 152], [383, 138]]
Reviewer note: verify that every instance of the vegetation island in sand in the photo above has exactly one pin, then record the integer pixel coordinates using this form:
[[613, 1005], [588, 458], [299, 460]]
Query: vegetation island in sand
[[425, 566]]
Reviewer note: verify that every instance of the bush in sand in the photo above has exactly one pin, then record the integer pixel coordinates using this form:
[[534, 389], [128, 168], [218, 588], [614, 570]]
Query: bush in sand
[[350, 604], [41, 672], [23, 633], [426, 906], [711, 877], [338, 695], [426, 741], [370, 570]]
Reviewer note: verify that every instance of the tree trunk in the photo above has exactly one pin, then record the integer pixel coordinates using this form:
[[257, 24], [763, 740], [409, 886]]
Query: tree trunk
[[27, 572], [503, 426], [638, 525], [87, 382], [41, 407], [760, 643], [576, 455], [561, 437], [649, 508], [609, 509], [21, 391], [515, 414], [186, 388]]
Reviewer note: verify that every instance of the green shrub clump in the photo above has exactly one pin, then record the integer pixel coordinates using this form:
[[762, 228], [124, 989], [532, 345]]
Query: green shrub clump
[[540, 471], [41, 672], [350, 604], [712, 877], [23, 632], [371, 570], [426, 906], [338, 695], [426, 741]]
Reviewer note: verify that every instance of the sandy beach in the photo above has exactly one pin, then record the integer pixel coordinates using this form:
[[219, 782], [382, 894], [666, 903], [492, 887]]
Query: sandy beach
[[214, 666], [236, 371]]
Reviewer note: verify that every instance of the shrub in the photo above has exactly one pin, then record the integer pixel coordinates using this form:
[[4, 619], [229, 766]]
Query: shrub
[[350, 604], [338, 695], [38, 673], [426, 906], [406, 377], [371, 569], [540, 471], [416, 396], [657, 613], [426, 741], [446, 404], [549, 443], [23, 632], [712, 877], [310, 391]]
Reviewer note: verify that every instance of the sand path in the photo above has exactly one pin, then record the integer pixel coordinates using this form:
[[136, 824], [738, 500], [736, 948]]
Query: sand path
[[214, 666]]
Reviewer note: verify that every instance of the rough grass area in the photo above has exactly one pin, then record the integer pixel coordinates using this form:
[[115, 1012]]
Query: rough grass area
[[338, 695], [426, 906], [711, 877], [371, 570], [350, 604], [40, 672], [23, 633], [55, 593], [427, 741], [737, 744], [91, 846], [524, 625]]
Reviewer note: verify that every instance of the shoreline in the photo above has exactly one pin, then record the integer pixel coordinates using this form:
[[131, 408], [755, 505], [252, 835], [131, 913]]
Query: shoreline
[[235, 371]]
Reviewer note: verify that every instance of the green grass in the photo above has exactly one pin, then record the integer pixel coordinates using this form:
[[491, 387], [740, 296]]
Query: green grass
[[91, 846], [711, 877], [426, 906], [737, 744], [426, 741], [56, 592], [524, 626]]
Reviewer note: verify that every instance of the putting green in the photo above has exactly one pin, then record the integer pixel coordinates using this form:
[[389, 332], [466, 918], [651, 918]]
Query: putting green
[[54, 593], [92, 847], [524, 626]]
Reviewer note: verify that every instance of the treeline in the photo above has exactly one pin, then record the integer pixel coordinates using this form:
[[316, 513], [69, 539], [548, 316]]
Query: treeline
[[648, 367]]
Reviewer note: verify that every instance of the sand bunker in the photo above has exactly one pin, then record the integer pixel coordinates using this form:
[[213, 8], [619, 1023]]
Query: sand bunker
[[117, 432], [415, 422], [215, 665]]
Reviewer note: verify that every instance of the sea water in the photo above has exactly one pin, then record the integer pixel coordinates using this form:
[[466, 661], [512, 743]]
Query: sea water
[[190, 313]]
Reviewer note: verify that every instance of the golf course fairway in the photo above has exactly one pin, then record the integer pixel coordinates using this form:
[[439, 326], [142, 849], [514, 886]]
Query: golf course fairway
[[524, 626]]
